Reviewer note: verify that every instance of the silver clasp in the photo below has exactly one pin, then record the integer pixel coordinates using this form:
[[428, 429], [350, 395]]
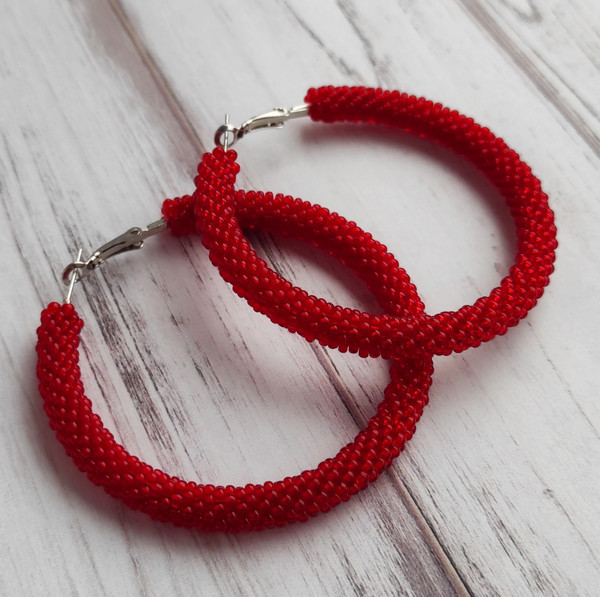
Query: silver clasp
[[129, 241], [227, 135]]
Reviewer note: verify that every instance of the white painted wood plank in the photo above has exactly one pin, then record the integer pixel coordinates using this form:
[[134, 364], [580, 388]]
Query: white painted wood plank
[[534, 412], [89, 148], [556, 46], [508, 491]]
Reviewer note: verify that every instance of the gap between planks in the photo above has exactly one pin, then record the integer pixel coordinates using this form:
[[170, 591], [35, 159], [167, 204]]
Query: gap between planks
[[157, 76], [482, 18]]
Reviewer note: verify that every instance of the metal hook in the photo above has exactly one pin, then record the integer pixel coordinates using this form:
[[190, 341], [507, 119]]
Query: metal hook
[[129, 241], [74, 278], [225, 134], [276, 118]]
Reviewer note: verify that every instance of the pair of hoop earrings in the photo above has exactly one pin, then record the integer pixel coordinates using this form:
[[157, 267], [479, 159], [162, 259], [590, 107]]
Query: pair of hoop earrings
[[404, 333]]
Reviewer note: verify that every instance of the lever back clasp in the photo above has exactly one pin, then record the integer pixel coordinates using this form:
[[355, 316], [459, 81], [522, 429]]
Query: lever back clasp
[[227, 135], [129, 241]]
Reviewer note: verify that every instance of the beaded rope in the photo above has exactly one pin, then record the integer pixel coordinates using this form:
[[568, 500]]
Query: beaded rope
[[388, 335], [95, 451]]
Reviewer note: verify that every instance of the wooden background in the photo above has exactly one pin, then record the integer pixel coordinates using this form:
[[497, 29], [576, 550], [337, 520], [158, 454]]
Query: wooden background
[[106, 107]]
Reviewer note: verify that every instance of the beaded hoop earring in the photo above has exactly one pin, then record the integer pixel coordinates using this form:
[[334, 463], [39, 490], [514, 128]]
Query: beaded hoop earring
[[252, 507], [389, 335]]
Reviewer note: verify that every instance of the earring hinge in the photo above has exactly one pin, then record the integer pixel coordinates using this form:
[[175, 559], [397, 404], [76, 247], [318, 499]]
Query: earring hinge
[[131, 240], [227, 135]]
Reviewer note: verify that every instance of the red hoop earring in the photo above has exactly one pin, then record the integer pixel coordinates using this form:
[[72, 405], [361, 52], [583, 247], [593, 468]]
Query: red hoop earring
[[389, 335], [252, 507]]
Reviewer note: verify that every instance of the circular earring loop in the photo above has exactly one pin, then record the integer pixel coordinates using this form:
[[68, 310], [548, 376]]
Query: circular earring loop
[[254, 506], [389, 335]]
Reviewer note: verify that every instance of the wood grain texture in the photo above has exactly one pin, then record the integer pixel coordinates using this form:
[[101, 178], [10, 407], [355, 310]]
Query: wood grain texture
[[105, 109]]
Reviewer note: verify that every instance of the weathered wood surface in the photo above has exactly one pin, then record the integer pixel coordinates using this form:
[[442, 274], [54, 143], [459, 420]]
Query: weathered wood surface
[[105, 108]]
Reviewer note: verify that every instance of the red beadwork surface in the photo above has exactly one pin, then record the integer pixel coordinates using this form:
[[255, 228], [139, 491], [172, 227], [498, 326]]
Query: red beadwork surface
[[253, 507], [386, 335], [219, 212]]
